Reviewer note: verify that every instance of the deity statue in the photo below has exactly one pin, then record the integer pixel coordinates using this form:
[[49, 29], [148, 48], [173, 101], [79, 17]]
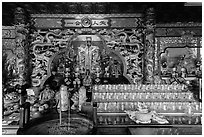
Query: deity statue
[[115, 68], [88, 55], [12, 67], [11, 63]]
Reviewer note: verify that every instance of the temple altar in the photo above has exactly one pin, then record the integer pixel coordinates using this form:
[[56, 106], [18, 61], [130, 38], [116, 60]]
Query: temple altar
[[106, 70]]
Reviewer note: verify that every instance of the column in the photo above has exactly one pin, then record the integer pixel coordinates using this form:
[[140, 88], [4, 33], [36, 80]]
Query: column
[[21, 50], [149, 46]]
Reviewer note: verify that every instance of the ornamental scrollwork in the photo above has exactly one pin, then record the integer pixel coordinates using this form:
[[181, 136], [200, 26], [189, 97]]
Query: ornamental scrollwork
[[149, 45], [21, 40], [45, 44]]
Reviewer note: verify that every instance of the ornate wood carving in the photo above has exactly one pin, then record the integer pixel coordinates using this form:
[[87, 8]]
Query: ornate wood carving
[[135, 15], [178, 31], [21, 40], [72, 8], [125, 22], [8, 44], [45, 44], [8, 56], [179, 24], [8, 32], [87, 20], [149, 45], [86, 7], [100, 7], [47, 23]]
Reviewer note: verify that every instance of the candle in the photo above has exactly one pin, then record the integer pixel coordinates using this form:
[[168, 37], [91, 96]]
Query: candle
[[60, 113]]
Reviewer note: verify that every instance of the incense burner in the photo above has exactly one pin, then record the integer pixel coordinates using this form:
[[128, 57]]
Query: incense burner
[[73, 125]]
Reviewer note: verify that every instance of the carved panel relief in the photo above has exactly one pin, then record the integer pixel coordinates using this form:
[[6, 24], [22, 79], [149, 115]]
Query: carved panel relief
[[8, 32], [149, 46], [45, 44], [15, 44], [8, 44]]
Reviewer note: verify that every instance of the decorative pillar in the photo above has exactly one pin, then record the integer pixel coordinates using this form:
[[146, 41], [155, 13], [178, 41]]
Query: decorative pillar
[[149, 46], [21, 52], [21, 40]]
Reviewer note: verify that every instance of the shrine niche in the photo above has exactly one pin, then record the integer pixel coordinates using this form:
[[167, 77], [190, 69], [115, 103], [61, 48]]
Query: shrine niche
[[85, 61], [179, 57]]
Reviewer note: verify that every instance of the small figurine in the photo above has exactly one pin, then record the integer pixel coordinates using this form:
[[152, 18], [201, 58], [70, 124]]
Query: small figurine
[[47, 94], [87, 80], [183, 72], [198, 69], [174, 73], [107, 74], [75, 99], [77, 81]]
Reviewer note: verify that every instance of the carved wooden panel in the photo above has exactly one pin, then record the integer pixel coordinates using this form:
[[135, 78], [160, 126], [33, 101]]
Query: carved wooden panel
[[178, 31], [47, 23], [8, 32], [45, 44], [8, 44], [9, 59], [87, 20], [125, 22], [149, 45]]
